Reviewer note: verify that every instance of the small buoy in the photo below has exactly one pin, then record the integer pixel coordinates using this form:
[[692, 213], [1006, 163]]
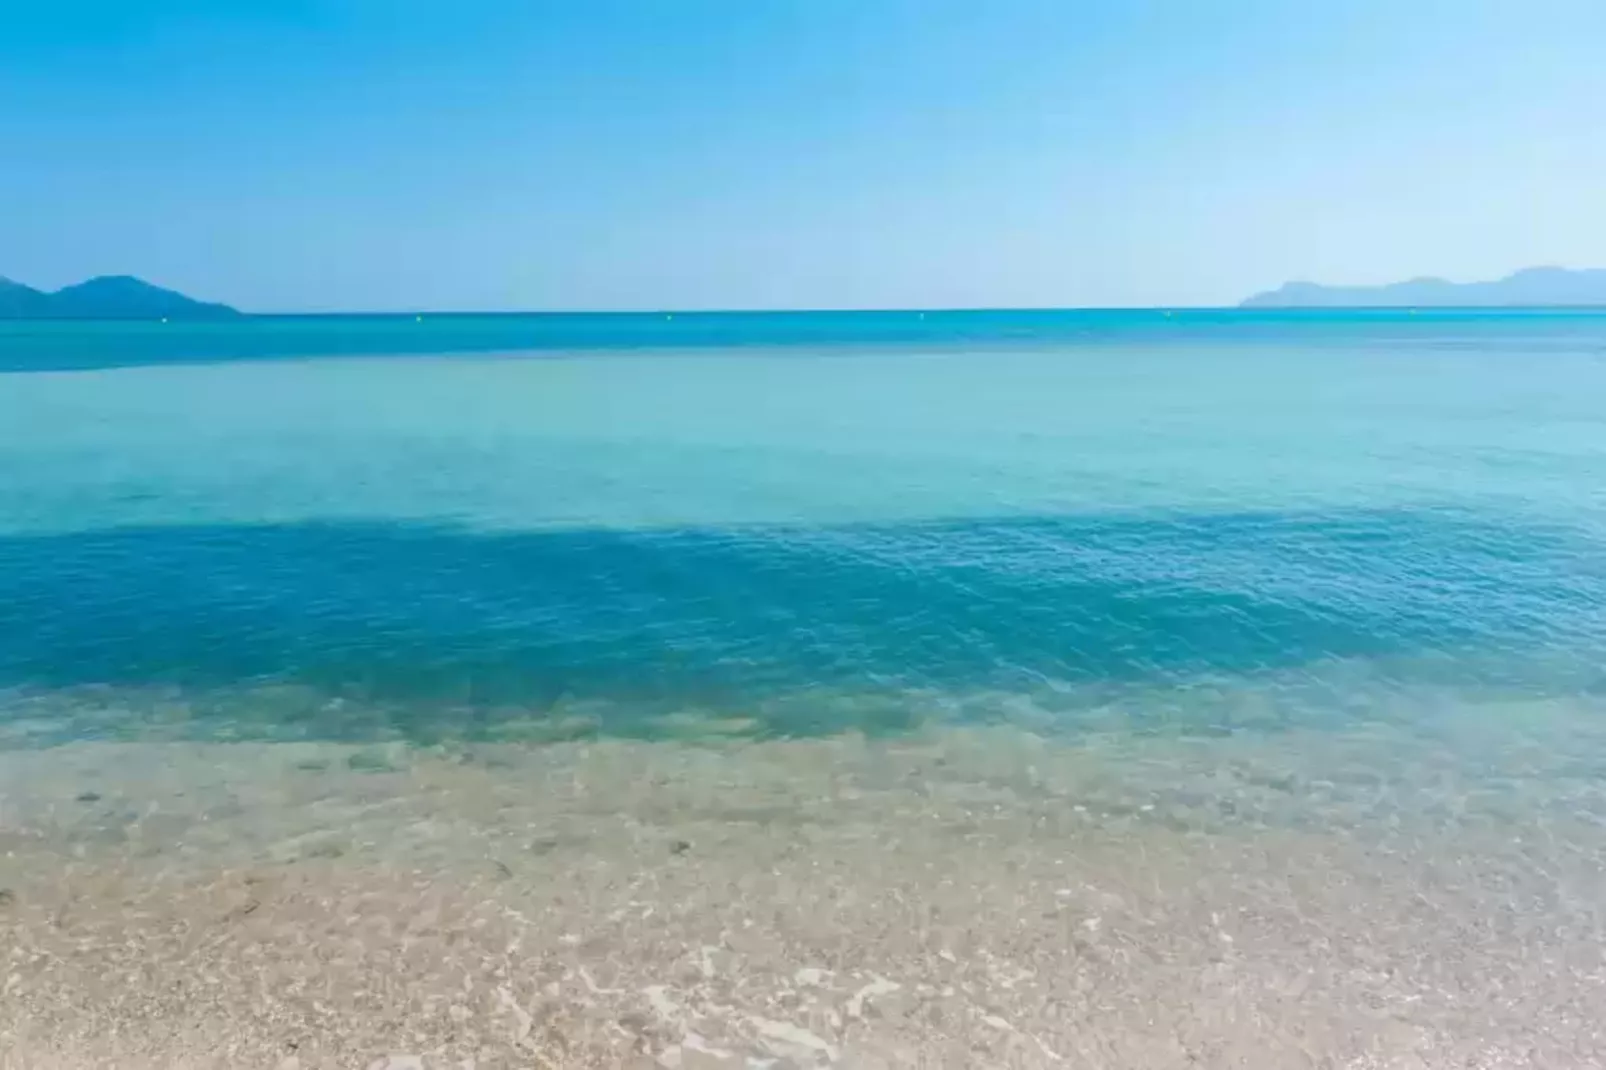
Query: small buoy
[[164, 319], [669, 315], [418, 319]]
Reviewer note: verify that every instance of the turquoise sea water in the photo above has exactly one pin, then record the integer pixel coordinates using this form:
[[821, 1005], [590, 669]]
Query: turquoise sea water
[[1193, 522]]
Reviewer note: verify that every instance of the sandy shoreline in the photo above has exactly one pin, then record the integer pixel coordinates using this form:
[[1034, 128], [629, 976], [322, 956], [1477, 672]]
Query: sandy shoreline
[[967, 897]]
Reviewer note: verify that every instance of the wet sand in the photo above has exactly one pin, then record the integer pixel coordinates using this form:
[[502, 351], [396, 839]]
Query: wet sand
[[959, 898]]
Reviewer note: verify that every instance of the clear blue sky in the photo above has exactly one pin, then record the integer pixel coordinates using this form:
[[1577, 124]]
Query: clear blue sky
[[394, 154]]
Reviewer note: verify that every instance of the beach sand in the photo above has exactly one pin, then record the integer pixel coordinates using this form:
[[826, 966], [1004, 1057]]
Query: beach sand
[[960, 897]]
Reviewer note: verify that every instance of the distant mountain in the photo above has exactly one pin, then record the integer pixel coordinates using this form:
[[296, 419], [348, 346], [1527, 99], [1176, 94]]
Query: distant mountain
[[108, 297], [20, 302], [1531, 286]]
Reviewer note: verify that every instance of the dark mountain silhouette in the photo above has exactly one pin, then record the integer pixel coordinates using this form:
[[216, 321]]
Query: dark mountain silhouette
[[1530, 286], [105, 297]]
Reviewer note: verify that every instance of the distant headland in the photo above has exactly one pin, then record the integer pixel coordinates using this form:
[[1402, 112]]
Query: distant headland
[[106, 297], [124, 297], [1536, 286]]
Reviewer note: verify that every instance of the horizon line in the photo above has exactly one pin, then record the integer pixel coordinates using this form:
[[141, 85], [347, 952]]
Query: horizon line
[[420, 313]]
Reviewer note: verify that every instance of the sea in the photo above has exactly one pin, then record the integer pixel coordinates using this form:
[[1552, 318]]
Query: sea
[[1291, 624]]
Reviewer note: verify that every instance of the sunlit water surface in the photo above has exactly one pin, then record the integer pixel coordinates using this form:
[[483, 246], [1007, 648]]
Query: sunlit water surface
[[1243, 576]]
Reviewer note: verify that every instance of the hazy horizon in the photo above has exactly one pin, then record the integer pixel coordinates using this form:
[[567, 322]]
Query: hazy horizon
[[1394, 296], [294, 156]]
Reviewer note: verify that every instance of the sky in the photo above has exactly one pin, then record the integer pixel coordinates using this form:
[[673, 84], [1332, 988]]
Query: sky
[[319, 155]]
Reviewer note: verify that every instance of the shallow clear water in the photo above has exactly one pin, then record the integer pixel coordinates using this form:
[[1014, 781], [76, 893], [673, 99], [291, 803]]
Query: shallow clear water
[[1108, 689], [1043, 512]]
